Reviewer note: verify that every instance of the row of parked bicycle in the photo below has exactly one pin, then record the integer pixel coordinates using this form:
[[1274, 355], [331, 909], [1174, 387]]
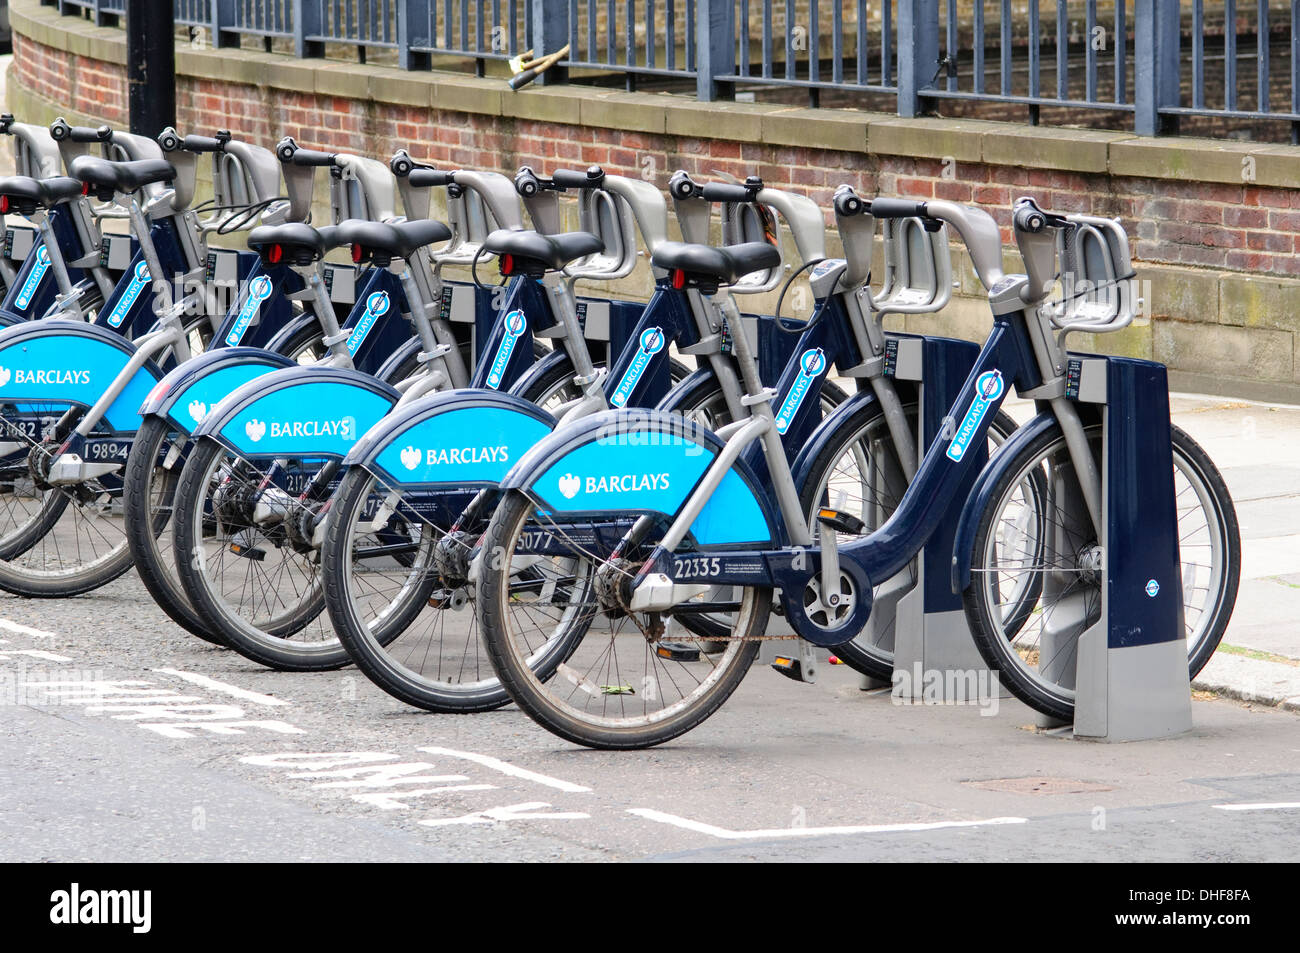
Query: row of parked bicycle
[[480, 492]]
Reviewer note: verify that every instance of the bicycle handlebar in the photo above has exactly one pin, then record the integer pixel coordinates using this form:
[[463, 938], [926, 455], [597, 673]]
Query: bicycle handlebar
[[528, 183], [590, 178], [289, 152], [60, 130], [682, 186], [727, 192], [171, 141]]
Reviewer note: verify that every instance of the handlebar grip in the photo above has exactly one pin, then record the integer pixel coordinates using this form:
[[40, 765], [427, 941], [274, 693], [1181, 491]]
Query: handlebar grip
[[898, 208], [428, 178], [590, 178], [309, 157], [6, 120], [1028, 219], [204, 144], [726, 192]]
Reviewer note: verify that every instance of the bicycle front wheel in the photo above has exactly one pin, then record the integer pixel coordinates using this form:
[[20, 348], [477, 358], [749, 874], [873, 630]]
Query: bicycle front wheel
[[551, 617], [1036, 528]]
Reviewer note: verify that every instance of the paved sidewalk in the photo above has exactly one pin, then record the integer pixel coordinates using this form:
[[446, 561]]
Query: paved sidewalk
[[1257, 447]]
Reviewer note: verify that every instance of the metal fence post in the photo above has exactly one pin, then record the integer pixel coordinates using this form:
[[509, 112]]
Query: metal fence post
[[1156, 34], [413, 28], [918, 52], [550, 23], [715, 49], [223, 16], [307, 21]]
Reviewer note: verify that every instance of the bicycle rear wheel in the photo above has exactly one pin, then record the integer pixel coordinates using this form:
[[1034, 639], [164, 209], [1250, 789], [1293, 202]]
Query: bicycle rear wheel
[[250, 574], [1036, 526]]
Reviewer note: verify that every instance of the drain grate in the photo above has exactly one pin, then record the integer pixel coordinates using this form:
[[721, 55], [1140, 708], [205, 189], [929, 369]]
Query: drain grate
[[1039, 785]]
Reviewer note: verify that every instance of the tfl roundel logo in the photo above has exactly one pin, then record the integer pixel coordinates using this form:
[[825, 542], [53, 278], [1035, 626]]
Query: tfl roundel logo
[[515, 323], [813, 361], [652, 340], [377, 303]]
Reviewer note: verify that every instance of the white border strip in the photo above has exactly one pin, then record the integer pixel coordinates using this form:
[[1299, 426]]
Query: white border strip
[[721, 832], [1274, 806]]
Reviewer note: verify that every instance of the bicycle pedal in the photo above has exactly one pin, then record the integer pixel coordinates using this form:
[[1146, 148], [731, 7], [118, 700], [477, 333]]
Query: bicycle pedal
[[789, 667], [677, 652], [248, 552], [841, 522]]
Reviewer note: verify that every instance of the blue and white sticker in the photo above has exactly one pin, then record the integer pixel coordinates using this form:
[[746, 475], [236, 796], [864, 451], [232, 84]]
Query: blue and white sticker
[[28, 290], [515, 325], [989, 388], [1153, 588], [652, 342], [376, 306], [812, 364], [139, 280], [258, 291]]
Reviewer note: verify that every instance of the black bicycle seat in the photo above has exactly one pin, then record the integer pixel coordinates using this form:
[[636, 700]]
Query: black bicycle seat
[[533, 254], [23, 194], [107, 177], [293, 243], [381, 241], [707, 266]]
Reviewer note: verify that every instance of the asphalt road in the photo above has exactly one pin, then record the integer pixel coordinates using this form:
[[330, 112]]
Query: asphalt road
[[127, 740]]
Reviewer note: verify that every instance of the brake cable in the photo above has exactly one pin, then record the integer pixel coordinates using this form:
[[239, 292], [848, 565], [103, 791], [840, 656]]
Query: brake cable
[[817, 314]]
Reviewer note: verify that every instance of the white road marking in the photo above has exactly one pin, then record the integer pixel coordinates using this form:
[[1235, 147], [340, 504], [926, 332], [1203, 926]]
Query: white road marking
[[26, 629], [1274, 806], [721, 832], [392, 800], [35, 653], [529, 811], [509, 769], [257, 698]]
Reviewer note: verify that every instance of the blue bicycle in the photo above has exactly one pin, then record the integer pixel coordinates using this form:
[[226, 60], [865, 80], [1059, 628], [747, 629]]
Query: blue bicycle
[[615, 529]]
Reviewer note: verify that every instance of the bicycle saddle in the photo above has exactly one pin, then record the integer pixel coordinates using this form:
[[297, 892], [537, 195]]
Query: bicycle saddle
[[23, 194], [533, 254], [381, 240], [708, 266], [107, 176], [293, 243]]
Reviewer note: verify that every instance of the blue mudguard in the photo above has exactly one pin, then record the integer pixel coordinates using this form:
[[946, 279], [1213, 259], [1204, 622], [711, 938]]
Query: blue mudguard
[[545, 364], [630, 462], [981, 493], [463, 438], [299, 411], [189, 391], [72, 363], [827, 431]]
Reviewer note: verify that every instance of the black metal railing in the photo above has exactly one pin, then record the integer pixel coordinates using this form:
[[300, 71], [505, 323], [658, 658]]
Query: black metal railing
[[1146, 64]]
